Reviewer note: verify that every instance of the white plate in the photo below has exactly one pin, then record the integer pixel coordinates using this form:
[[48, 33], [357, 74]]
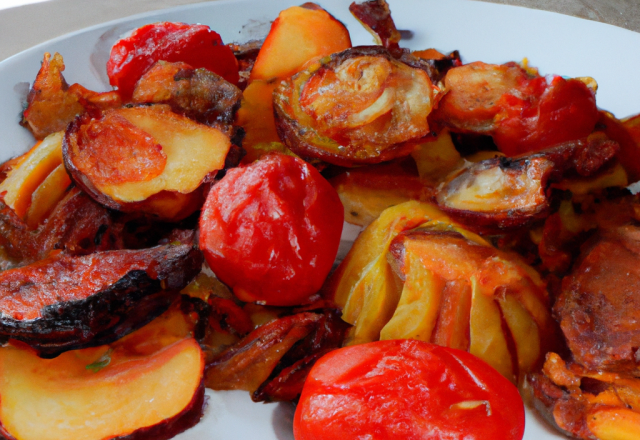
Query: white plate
[[481, 31]]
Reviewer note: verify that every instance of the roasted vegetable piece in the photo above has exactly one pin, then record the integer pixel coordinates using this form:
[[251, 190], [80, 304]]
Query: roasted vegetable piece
[[585, 403], [195, 44], [35, 166], [459, 290], [523, 113], [364, 285], [287, 379], [367, 191], [271, 230], [248, 364], [65, 302], [299, 34], [357, 106], [197, 93], [52, 104], [376, 18], [77, 225], [598, 307], [273, 360], [406, 389], [498, 194], [144, 159], [148, 385]]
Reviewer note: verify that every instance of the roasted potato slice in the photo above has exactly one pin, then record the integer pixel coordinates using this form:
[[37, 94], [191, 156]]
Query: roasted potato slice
[[148, 385], [65, 302], [145, 158]]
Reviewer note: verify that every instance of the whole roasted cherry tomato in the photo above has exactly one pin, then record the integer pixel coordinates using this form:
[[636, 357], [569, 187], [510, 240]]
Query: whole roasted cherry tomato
[[271, 230], [407, 390], [194, 44]]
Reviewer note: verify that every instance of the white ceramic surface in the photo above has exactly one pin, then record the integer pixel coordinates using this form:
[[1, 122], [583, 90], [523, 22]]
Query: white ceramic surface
[[481, 31]]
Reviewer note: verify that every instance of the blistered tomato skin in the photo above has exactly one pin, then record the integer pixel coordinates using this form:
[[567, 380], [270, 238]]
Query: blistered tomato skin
[[196, 45], [407, 390], [271, 230]]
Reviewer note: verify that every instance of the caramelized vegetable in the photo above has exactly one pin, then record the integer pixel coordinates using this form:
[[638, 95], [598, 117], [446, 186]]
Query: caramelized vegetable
[[375, 16], [600, 323], [64, 302], [298, 35], [499, 194], [145, 159], [197, 93], [367, 191], [459, 290], [273, 361], [77, 225], [195, 44], [524, 113], [148, 385], [357, 106], [586, 403], [52, 104]]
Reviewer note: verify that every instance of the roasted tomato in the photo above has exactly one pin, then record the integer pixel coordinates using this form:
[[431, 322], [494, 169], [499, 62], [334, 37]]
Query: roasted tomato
[[357, 106], [403, 389], [271, 230], [194, 44], [524, 113]]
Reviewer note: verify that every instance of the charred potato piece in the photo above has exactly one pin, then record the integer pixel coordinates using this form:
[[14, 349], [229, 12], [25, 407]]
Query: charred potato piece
[[146, 159], [196, 93], [355, 107], [65, 302], [599, 305], [148, 385]]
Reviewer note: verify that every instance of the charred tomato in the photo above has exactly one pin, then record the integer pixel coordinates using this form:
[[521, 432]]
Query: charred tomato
[[406, 389], [194, 44], [271, 230]]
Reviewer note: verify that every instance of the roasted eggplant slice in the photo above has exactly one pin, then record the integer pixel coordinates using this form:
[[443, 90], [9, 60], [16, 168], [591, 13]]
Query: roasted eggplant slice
[[358, 106], [495, 195], [144, 159], [64, 302]]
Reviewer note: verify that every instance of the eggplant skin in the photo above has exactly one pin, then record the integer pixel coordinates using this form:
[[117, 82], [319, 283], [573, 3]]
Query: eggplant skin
[[102, 316]]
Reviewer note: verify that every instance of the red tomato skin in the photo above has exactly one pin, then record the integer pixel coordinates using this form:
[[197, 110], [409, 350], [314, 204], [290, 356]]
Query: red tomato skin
[[566, 110], [196, 45], [404, 390], [271, 230]]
